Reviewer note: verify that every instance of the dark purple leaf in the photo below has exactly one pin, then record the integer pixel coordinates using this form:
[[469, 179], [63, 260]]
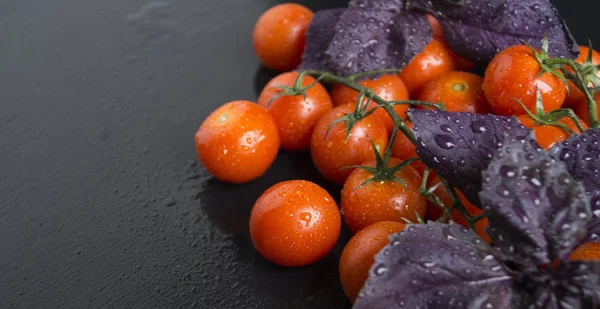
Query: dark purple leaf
[[594, 230], [371, 39], [318, 36], [537, 212], [479, 29], [459, 146], [383, 5], [436, 266], [572, 285]]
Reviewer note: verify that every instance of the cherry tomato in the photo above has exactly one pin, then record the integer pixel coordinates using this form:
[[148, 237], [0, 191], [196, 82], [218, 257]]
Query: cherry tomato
[[513, 74], [389, 87], [547, 135], [589, 251], [330, 155], [461, 63], [237, 142], [295, 116], [403, 149], [581, 109], [432, 62], [359, 255], [435, 27], [382, 200], [575, 95], [434, 212], [280, 34], [295, 223], [459, 91]]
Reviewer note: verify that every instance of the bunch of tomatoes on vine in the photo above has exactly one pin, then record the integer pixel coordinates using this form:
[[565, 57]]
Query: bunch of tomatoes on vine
[[359, 136]]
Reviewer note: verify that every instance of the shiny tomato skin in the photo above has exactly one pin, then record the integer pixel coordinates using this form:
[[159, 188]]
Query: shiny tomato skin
[[330, 155], [589, 251], [547, 135], [436, 27], [382, 201], [403, 149], [575, 96], [359, 255], [434, 212], [237, 142], [432, 62], [280, 35], [389, 87], [295, 223], [295, 116], [513, 74], [459, 91]]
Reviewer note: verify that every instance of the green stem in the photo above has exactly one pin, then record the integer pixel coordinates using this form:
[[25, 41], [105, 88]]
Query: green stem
[[559, 61]]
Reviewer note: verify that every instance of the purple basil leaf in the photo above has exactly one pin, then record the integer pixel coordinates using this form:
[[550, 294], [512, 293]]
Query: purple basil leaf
[[372, 39], [383, 5], [537, 212], [572, 285], [478, 29], [594, 230], [318, 36], [436, 266], [459, 146]]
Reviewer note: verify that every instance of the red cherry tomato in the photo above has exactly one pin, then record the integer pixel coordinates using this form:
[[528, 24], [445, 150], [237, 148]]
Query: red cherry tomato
[[581, 109], [389, 87], [295, 223], [575, 95], [459, 91], [548, 135], [434, 212], [330, 155], [359, 255], [435, 27], [589, 251], [513, 74], [280, 34], [237, 142], [295, 116], [403, 149], [382, 200], [432, 62]]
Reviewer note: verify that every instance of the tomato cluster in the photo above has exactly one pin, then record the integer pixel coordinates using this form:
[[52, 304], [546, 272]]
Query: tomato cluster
[[296, 222]]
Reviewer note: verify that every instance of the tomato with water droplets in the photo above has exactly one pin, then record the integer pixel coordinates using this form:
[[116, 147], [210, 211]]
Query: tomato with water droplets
[[389, 87], [513, 74], [386, 200], [403, 149], [296, 116], [280, 35], [332, 154], [237, 142], [432, 62], [548, 135], [576, 96], [359, 255], [295, 223], [459, 91]]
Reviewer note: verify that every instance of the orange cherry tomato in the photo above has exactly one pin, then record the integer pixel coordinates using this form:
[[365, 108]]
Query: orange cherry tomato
[[581, 109], [295, 116], [382, 200], [575, 95], [403, 149], [359, 255], [333, 153], [389, 87], [280, 35], [434, 212], [589, 251], [295, 223], [459, 91], [547, 135], [237, 142], [435, 27], [513, 74], [432, 62]]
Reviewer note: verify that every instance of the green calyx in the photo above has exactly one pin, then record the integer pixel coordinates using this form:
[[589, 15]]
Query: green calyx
[[547, 64], [296, 89], [361, 112]]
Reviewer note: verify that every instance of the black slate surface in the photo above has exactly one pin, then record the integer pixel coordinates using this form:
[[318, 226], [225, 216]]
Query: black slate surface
[[102, 203]]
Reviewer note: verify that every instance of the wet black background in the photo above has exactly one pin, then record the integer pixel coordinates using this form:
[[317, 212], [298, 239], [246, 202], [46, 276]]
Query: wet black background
[[102, 204]]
